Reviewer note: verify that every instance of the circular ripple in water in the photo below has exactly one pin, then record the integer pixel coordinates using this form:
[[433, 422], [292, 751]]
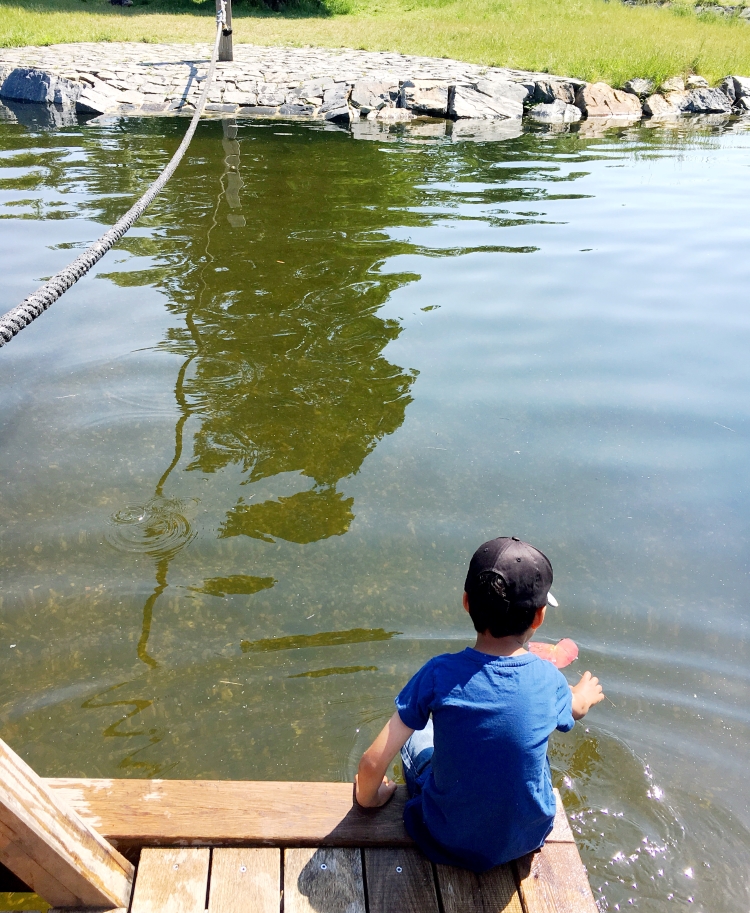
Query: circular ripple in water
[[159, 528]]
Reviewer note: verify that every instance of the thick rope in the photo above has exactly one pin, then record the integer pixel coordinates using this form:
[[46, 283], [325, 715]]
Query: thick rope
[[37, 303]]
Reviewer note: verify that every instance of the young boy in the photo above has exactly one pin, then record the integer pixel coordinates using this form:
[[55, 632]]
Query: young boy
[[477, 772]]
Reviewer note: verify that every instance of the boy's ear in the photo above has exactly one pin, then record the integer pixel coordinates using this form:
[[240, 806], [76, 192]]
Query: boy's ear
[[466, 602], [539, 617]]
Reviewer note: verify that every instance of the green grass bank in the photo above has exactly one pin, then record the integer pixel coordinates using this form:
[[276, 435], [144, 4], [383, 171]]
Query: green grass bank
[[592, 39]]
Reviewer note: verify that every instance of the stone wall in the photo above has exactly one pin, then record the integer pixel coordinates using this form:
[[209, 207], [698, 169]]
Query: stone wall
[[339, 86]]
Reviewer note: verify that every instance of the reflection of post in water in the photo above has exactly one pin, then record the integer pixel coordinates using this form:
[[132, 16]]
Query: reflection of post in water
[[231, 192], [232, 172]]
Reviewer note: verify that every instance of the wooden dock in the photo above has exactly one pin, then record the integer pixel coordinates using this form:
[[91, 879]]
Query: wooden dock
[[204, 846]]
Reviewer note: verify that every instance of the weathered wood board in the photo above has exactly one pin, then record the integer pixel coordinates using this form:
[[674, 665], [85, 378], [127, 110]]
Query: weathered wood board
[[554, 880], [246, 880], [50, 848], [323, 880], [171, 881], [465, 892], [229, 812], [399, 880]]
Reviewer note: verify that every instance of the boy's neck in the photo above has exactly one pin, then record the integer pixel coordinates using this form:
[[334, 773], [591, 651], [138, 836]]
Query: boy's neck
[[513, 645]]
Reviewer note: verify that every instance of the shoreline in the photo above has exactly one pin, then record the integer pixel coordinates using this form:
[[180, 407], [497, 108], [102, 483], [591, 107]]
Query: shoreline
[[371, 90]]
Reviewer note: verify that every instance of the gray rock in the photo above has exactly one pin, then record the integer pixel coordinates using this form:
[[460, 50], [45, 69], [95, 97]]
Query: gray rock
[[244, 99], [261, 110], [741, 86], [743, 104], [547, 91], [639, 86], [91, 102], [426, 96], [270, 95], [369, 95], [335, 96], [31, 85], [307, 94], [557, 112], [467, 102], [336, 115], [708, 101], [745, 13], [666, 107], [503, 88], [697, 82], [727, 86]]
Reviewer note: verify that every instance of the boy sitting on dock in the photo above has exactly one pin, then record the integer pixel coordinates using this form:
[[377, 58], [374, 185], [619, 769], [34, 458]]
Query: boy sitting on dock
[[472, 727]]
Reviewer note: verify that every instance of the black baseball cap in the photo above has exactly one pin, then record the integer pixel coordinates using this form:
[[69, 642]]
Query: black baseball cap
[[526, 571]]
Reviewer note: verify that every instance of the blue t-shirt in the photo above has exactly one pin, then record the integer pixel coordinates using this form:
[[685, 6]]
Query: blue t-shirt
[[488, 797]]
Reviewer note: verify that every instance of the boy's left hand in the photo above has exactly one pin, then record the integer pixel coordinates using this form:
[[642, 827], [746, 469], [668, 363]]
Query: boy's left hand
[[384, 792]]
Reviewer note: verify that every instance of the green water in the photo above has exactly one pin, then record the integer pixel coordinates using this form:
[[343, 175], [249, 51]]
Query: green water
[[244, 463]]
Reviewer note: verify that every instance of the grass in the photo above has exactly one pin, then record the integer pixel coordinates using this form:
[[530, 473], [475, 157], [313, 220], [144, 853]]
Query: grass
[[591, 39]]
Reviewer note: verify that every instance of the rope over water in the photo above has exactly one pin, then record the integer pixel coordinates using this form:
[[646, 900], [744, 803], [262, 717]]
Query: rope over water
[[37, 303]]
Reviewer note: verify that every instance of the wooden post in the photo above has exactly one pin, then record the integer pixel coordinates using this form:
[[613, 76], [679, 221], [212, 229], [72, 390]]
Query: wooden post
[[225, 43], [50, 848]]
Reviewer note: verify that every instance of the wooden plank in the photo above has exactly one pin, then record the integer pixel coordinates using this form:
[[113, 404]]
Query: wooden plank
[[324, 880], [50, 848], [466, 892], [87, 910], [561, 832], [171, 881], [226, 812], [554, 880], [399, 880], [245, 881]]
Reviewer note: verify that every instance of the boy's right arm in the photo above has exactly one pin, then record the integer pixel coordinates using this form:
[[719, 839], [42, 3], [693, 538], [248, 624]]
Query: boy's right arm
[[585, 694], [371, 786]]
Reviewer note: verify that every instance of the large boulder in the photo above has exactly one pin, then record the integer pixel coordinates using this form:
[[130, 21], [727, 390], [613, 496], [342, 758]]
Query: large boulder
[[697, 82], [32, 85], [600, 100], [557, 112], [547, 91], [371, 95], [661, 107], [639, 86], [736, 88], [426, 96], [468, 102], [708, 101], [728, 88], [503, 88]]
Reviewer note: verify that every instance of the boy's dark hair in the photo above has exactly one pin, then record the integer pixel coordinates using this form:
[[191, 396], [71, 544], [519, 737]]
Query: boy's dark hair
[[507, 581], [492, 611]]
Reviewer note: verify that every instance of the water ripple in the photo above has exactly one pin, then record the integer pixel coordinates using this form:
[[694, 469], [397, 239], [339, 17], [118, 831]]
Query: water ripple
[[159, 528]]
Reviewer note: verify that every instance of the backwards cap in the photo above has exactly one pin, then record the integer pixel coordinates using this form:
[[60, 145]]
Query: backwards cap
[[525, 570]]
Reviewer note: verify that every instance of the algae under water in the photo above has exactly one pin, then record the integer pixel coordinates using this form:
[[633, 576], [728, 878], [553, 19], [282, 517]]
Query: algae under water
[[244, 463]]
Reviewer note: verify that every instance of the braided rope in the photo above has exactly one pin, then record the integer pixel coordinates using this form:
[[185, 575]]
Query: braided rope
[[37, 303]]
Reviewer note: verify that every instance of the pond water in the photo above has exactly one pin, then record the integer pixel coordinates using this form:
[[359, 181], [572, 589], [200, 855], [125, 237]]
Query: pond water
[[244, 464]]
